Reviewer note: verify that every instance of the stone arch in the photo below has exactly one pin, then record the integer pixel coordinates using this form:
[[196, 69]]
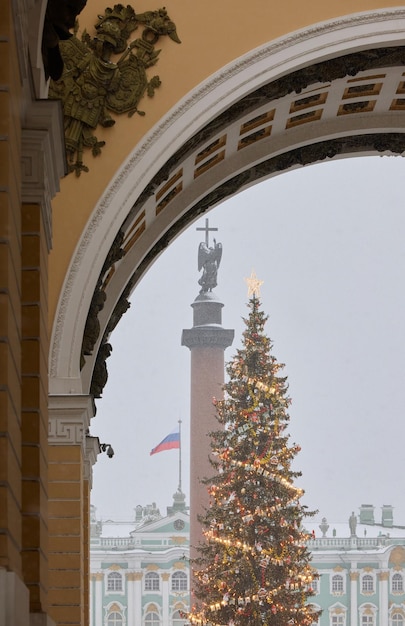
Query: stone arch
[[228, 126]]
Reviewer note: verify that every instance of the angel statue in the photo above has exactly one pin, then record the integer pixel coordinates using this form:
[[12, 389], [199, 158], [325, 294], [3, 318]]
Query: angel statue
[[209, 259], [95, 83]]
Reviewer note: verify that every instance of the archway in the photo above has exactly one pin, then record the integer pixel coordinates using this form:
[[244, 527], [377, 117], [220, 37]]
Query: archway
[[328, 242], [330, 91]]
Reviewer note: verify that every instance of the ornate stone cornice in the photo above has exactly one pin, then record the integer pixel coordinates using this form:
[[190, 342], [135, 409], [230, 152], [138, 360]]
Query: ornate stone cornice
[[43, 159], [69, 419]]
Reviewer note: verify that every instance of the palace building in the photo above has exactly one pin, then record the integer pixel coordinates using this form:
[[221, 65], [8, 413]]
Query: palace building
[[140, 570]]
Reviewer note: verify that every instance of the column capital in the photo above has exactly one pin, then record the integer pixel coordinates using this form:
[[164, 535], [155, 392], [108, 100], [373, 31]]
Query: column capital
[[383, 576], [354, 575], [165, 576], [69, 419], [207, 336]]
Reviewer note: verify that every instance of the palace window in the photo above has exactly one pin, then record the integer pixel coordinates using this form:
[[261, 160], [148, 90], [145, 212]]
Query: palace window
[[397, 583], [368, 615], [114, 582], [397, 619], [337, 584], [152, 619], [179, 581], [367, 584], [152, 581], [337, 615], [114, 619]]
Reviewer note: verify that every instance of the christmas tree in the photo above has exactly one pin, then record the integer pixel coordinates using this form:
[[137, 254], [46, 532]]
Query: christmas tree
[[254, 567]]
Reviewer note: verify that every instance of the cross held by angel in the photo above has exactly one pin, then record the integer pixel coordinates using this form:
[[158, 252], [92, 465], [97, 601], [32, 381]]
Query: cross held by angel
[[209, 260]]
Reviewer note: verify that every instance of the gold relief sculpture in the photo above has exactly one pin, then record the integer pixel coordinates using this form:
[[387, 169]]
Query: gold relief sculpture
[[397, 556], [95, 82]]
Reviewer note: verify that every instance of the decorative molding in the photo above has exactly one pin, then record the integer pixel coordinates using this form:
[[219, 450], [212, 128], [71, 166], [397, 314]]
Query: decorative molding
[[397, 556], [165, 577], [69, 419], [42, 158], [354, 576], [131, 576], [383, 576], [207, 336], [152, 567], [64, 432], [178, 540]]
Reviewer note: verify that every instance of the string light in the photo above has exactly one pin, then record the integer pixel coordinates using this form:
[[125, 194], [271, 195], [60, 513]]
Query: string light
[[254, 566]]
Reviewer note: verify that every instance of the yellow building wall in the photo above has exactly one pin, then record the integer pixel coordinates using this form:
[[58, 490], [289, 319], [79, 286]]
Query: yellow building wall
[[10, 299]]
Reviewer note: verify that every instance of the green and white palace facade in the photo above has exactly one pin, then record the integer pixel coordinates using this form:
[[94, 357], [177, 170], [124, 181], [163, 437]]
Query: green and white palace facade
[[140, 574]]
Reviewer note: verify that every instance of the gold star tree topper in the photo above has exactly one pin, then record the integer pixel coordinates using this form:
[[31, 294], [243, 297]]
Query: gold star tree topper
[[253, 284]]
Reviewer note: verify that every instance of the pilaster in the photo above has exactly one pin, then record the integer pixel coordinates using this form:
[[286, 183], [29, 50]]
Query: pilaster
[[34, 409], [383, 578], [165, 598], [138, 577], [69, 419], [354, 578], [98, 580]]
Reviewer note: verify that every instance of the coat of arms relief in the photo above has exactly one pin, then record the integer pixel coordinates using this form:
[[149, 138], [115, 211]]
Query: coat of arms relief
[[107, 73]]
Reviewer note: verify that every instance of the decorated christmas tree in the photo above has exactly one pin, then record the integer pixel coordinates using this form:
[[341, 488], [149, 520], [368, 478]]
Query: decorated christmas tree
[[254, 567]]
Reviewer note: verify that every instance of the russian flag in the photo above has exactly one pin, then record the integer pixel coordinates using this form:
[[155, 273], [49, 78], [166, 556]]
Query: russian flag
[[172, 440]]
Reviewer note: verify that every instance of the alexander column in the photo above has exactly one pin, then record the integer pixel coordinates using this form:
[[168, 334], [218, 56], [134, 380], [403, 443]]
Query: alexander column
[[207, 340]]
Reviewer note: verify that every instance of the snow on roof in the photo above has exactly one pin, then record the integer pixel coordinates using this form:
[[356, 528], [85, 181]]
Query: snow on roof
[[362, 530], [117, 529]]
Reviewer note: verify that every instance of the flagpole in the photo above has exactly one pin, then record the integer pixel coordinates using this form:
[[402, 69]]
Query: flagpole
[[180, 455]]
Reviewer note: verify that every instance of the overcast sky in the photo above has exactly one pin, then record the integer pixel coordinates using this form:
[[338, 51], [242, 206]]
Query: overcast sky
[[329, 243]]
